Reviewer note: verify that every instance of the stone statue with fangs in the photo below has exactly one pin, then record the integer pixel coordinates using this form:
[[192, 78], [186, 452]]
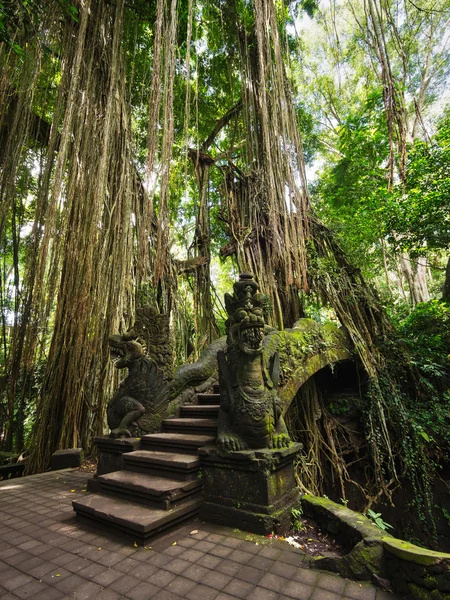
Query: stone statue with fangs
[[250, 410]]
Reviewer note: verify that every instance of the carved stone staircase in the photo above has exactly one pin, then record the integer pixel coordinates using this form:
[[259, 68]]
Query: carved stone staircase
[[160, 485]]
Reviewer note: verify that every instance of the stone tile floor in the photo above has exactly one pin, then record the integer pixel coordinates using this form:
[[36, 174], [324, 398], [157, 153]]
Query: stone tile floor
[[46, 554]]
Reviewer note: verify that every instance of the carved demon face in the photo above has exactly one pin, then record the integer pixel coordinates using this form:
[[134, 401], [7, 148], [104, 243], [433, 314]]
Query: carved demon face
[[246, 321], [124, 352]]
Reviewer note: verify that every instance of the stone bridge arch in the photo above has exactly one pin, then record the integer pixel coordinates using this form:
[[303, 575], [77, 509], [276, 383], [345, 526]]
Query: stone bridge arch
[[304, 350]]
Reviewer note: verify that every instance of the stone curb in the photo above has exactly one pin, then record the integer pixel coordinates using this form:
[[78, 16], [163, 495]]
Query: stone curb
[[420, 573]]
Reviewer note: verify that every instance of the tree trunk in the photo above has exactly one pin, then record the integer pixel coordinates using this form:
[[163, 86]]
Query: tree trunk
[[446, 286], [415, 275]]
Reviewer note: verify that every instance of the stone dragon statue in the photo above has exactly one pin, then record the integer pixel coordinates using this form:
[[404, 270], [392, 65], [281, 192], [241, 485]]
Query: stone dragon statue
[[250, 409], [141, 400]]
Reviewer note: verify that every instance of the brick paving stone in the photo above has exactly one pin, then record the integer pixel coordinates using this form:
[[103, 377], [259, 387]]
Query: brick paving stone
[[321, 594], [28, 545], [228, 567], [141, 556], [22, 538], [143, 591], [77, 564], [41, 549], [51, 554], [144, 571], [192, 555], [8, 551], [33, 562], [359, 591], [215, 538], [292, 558], [306, 576], [333, 583], [202, 592], [181, 586], [53, 576], [177, 566], [71, 545], [87, 590], [15, 582], [126, 565], [18, 558], [299, 591], [108, 595], [232, 542], [240, 557], [127, 550], [108, 559], [49, 594], [91, 571], [216, 580], [188, 542], [221, 551], [204, 546], [31, 589], [210, 562], [161, 578], [42, 569], [5, 568], [238, 588], [196, 573], [160, 560], [272, 582], [259, 593], [69, 584], [201, 535], [249, 547], [250, 574], [106, 577], [64, 559], [259, 562], [125, 584], [283, 570], [213, 564], [165, 595], [174, 550], [268, 552]]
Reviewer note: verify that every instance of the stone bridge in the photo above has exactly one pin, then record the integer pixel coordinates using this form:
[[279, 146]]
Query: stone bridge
[[304, 350]]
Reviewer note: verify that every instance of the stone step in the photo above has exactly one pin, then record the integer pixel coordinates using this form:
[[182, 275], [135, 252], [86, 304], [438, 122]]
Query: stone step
[[176, 442], [200, 410], [183, 467], [190, 425], [216, 388], [208, 398], [138, 523], [158, 492]]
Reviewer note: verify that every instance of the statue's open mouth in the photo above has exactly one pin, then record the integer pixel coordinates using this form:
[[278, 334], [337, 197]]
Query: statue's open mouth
[[116, 352], [251, 339]]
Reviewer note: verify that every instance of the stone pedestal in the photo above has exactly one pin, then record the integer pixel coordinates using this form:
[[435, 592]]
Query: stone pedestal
[[253, 490], [65, 459], [110, 452]]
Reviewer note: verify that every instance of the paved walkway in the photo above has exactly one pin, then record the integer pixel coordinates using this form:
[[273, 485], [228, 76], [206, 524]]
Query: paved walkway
[[45, 554]]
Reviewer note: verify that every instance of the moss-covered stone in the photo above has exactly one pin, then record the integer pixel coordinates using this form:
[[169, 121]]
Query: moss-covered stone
[[420, 573], [361, 563], [412, 553]]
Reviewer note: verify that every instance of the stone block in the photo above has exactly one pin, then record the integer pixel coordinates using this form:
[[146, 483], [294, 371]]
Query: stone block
[[111, 451], [253, 490], [66, 459]]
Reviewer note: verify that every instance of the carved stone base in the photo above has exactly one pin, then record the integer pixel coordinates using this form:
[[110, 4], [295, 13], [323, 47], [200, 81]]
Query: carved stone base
[[253, 490], [110, 452]]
